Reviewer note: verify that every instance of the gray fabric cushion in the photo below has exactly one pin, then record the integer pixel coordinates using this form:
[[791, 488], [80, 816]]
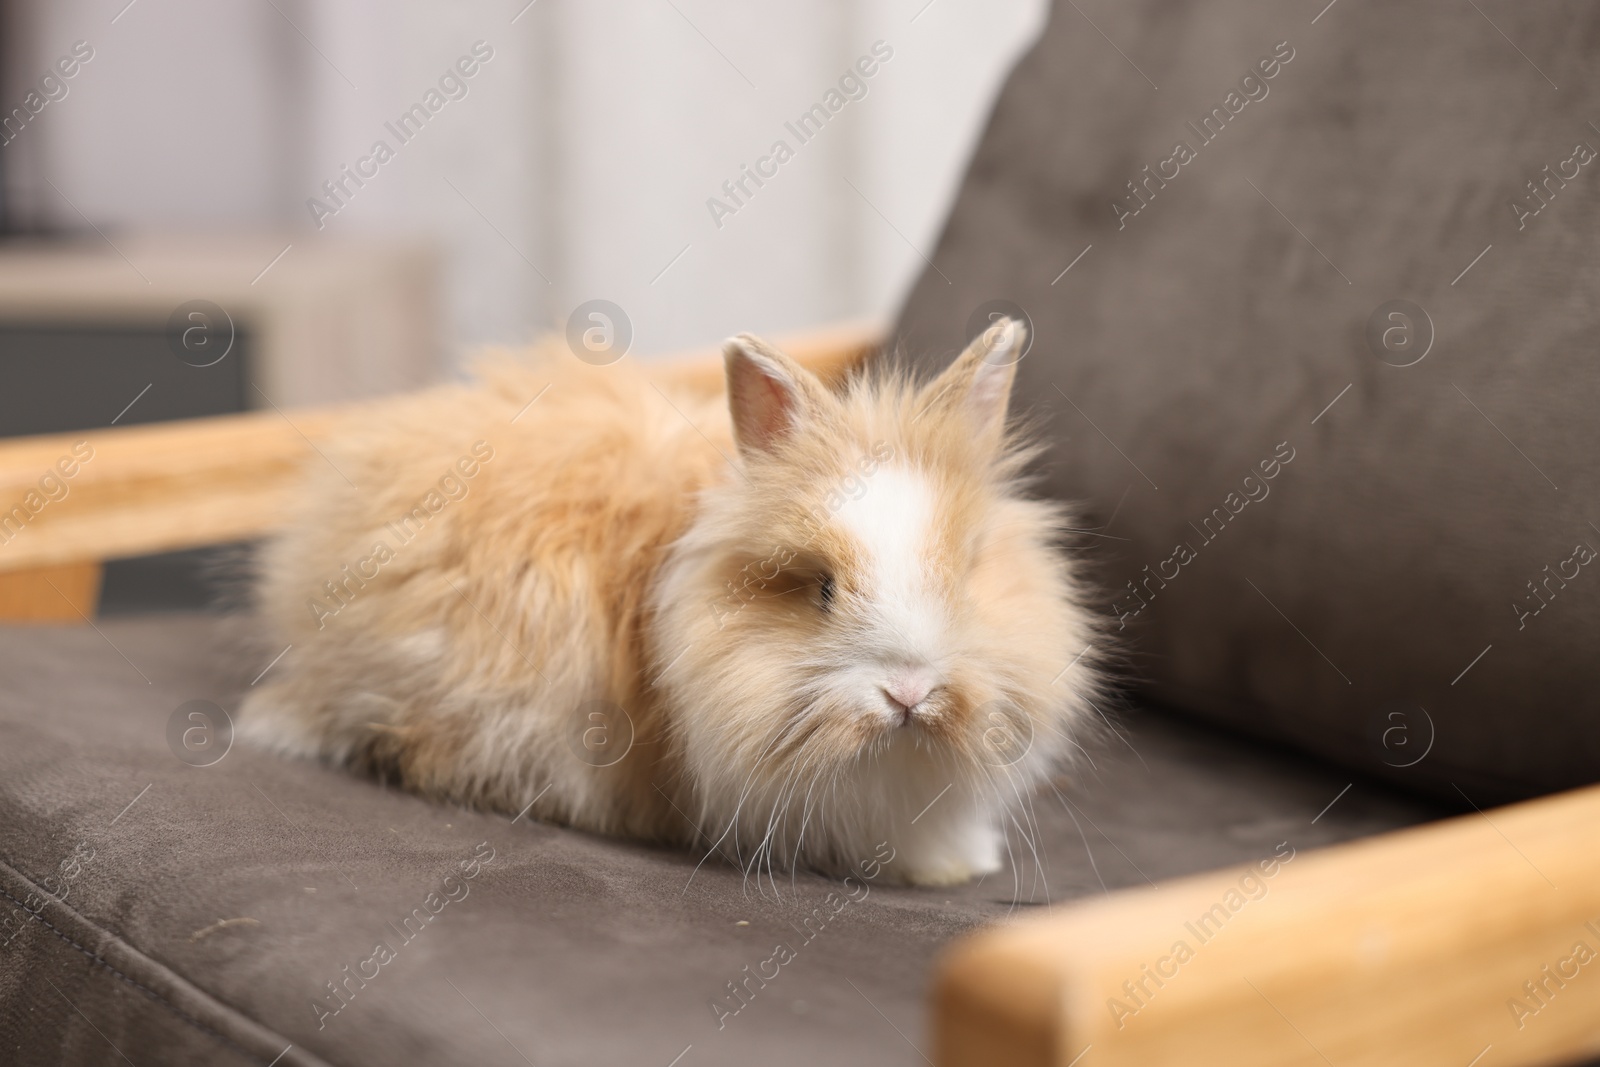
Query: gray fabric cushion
[[1342, 610], [205, 908]]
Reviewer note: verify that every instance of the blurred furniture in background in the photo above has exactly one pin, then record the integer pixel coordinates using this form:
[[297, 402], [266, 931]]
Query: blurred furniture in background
[[86, 325], [153, 329]]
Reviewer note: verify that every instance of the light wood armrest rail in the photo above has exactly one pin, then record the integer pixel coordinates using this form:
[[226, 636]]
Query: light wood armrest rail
[[184, 484], [1422, 947]]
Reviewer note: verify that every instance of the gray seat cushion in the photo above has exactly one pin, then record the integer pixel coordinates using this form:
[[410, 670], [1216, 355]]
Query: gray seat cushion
[[174, 913], [1421, 569]]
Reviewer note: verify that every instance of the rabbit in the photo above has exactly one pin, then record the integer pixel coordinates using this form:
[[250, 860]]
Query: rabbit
[[788, 624]]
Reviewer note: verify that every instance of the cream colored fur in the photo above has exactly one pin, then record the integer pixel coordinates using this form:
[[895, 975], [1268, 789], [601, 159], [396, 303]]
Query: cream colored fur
[[717, 569]]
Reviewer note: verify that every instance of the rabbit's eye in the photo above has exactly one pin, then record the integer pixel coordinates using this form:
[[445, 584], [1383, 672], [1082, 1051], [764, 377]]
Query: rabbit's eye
[[825, 591]]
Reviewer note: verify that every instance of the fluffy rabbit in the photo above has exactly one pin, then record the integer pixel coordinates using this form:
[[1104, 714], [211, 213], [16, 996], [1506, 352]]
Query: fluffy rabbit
[[787, 624]]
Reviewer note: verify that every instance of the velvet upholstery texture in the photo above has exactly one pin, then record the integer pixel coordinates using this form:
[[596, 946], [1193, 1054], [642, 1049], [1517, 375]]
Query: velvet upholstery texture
[[173, 913], [1314, 344]]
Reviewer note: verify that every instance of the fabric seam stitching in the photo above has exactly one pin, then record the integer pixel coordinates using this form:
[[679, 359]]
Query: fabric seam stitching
[[94, 958]]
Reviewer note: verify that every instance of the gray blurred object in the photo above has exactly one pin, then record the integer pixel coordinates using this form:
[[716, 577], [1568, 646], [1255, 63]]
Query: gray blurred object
[[95, 333], [292, 321]]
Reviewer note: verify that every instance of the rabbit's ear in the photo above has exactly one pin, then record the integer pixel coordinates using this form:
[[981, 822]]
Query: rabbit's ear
[[978, 384], [769, 394]]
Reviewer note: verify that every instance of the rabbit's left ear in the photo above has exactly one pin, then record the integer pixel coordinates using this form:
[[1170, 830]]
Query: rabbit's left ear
[[978, 383], [769, 395]]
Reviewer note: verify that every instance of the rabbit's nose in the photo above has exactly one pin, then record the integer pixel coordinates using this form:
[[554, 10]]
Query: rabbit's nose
[[910, 686]]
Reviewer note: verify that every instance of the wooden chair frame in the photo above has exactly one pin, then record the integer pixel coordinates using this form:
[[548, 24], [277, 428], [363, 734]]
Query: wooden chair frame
[[1471, 941]]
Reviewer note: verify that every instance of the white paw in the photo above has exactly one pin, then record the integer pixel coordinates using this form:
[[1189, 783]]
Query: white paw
[[952, 873], [959, 853]]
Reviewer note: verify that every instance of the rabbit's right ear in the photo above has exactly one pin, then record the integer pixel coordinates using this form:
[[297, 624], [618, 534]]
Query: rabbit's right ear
[[769, 395], [977, 386]]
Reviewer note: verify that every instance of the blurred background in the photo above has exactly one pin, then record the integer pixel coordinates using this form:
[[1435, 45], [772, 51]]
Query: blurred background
[[314, 201], [185, 157]]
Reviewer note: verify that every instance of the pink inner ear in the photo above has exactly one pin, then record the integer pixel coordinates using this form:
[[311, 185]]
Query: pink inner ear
[[775, 407], [990, 392], [764, 405]]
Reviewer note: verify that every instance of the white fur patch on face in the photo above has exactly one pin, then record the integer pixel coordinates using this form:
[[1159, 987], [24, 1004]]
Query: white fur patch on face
[[892, 523]]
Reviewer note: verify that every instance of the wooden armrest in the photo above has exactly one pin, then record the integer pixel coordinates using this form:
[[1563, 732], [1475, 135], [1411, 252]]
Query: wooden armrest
[[1426, 946], [175, 485]]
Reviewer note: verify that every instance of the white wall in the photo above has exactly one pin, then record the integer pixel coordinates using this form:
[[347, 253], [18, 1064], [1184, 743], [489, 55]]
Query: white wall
[[585, 150]]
